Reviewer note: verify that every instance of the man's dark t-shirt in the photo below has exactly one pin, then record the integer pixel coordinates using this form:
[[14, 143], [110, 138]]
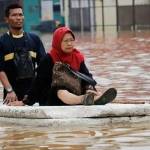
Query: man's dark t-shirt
[[8, 46]]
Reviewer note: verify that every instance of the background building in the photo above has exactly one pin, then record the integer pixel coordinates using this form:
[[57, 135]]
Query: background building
[[83, 15], [108, 15], [43, 14]]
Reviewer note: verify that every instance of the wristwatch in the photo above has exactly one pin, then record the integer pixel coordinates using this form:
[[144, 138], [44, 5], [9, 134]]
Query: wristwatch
[[9, 89]]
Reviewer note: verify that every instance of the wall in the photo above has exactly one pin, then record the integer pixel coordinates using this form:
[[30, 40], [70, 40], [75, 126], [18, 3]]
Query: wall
[[32, 13]]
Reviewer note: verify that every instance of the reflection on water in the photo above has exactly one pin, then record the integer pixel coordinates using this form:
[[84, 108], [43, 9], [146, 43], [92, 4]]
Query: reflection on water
[[115, 137], [122, 62]]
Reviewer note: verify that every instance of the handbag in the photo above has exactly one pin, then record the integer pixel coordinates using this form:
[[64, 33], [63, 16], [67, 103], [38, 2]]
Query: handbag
[[64, 78]]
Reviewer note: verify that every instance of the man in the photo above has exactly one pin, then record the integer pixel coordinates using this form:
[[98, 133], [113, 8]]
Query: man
[[20, 52]]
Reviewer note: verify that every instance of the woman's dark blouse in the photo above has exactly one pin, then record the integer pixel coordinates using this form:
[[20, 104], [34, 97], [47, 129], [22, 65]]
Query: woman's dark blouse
[[41, 88]]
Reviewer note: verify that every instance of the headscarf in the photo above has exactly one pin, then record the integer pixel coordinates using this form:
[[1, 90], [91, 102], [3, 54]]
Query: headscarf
[[74, 58]]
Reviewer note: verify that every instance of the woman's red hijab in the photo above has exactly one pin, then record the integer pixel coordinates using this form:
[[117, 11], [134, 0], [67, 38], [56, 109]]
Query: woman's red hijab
[[74, 58]]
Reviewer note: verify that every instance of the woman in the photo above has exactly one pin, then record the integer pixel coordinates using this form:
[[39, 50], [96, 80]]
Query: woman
[[63, 51]]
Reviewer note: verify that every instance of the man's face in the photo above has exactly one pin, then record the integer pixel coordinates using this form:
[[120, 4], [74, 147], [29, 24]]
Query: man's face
[[15, 18]]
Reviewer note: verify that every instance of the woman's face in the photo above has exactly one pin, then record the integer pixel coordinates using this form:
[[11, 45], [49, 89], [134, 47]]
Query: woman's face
[[67, 43]]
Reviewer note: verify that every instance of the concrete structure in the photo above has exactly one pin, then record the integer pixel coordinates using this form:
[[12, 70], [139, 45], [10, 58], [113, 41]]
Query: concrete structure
[[74, 116], [87, 15], [41, 10], [107, 15]]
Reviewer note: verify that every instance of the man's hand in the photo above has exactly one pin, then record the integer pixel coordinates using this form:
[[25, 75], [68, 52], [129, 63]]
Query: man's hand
[[16, 103], [10, 97]]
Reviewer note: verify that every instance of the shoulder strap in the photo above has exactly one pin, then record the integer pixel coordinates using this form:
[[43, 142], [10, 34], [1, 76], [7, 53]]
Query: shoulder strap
[[28, 39], [83, 77], [6, 37]]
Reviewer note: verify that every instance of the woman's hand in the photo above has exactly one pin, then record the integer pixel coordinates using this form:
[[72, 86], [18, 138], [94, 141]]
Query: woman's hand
[[92, 91]]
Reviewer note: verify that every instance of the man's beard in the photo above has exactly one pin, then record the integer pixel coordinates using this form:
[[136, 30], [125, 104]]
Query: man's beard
[[16, 28]]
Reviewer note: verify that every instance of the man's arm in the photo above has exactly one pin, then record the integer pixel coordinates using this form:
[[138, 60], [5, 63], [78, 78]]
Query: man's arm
[[11, 96]]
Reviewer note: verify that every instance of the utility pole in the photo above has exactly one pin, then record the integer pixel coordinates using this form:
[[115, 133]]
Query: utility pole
[[66, 12], [81, 17]]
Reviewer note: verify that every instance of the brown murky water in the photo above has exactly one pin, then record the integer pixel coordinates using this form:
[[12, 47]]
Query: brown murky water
[[123, 137], [121, 61]]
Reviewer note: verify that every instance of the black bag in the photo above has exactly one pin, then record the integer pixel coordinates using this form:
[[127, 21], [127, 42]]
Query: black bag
[[24, 64]]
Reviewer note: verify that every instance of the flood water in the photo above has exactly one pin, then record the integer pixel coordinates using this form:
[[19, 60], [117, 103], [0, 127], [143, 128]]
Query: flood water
[[110, 137], [121, 61]]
